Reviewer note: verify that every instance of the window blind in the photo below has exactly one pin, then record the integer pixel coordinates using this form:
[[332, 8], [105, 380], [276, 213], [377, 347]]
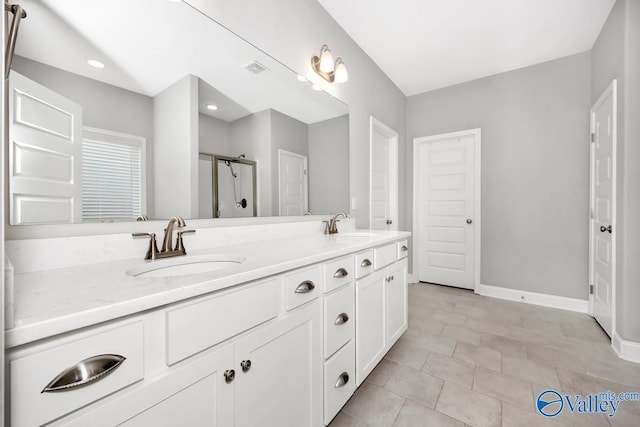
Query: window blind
[[111, 180]]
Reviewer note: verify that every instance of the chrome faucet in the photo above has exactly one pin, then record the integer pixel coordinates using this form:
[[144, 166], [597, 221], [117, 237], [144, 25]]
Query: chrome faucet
[[167, 249], [331, 226]]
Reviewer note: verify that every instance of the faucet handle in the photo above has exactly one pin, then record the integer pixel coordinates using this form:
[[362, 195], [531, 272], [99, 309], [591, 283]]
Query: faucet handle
[[326, 227], [152, 251], [179, 244]]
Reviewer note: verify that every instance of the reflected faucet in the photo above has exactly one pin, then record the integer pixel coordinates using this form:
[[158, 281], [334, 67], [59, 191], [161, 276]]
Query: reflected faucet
[[331, 226]]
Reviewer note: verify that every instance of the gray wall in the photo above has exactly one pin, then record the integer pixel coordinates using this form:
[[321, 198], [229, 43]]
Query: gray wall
[[214, 136], [288, 134], [329, 166], [616, 55], [535, 170]]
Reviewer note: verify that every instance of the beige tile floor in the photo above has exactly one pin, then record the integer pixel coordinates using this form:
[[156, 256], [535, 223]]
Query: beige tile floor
[[478, 361]]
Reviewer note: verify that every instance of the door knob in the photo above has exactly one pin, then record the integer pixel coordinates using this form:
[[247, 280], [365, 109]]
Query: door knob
[[469, 221], [603, 228]]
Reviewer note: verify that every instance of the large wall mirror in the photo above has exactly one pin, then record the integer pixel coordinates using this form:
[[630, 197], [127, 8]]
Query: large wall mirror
[[148, 109]]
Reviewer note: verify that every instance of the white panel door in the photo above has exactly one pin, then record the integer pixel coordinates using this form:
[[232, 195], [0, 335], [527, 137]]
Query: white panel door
[[293, 187], [45, 152], [446, 198], [602, 205], [384, 177]]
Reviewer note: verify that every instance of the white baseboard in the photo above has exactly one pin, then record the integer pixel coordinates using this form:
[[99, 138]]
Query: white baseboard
[[553, 301], [627, 350]]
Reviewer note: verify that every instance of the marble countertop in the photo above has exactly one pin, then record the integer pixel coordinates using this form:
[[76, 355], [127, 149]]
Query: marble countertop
[[51, 302]]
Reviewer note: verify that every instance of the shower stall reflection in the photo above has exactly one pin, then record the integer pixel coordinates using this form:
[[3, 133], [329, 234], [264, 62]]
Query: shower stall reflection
[[227, 186]]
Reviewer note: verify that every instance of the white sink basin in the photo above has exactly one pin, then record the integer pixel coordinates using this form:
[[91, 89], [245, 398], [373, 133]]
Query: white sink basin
[[357, 234], [185, 265]]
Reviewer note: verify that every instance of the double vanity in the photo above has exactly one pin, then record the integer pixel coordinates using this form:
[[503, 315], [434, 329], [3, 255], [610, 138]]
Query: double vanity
[[255, 333]]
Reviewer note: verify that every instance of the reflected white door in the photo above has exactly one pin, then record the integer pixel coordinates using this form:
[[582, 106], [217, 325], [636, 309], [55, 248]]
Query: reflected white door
[[293, 186], [384, 177], [602, 237], [446, 217], [45, 148]]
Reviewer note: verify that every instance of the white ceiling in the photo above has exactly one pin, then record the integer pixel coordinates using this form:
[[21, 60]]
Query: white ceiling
[[424, 45]]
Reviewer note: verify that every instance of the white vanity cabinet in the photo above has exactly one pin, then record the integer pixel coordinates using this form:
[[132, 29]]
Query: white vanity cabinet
[[287, 349], [381, 308]]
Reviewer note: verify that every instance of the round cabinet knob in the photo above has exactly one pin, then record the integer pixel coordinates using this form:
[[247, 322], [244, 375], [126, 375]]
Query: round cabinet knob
[[245, 365], [469, 221], [229, 375]]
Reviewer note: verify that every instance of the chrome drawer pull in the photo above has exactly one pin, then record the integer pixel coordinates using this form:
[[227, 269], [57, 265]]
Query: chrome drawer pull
[[365, 263], [404, 248], [305, 287], [341, 272], [343, 379], [341, 319], [84, 372]]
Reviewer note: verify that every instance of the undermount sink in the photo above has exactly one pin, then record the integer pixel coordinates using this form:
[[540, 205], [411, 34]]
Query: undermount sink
[[357, 234], [182, 266]]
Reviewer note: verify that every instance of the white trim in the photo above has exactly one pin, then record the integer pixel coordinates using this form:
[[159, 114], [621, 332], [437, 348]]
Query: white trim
[[412, 278], [612, 90], [546, 300], [392, 135], [627, 350], [306, 178], [477, 133]]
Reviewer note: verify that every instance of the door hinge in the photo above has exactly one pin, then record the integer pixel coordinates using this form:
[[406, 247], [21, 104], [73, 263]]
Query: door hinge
[[590, 289], [593, 137]]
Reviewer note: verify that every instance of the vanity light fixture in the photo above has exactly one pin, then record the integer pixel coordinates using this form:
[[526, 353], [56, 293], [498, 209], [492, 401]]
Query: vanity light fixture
[[95, 63], [212, 107], [326, 68]]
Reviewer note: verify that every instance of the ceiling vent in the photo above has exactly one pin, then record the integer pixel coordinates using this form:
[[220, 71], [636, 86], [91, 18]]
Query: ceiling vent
[[255, 67]]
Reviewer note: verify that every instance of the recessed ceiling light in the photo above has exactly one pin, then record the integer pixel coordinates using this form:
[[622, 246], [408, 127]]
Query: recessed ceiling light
[[95, 63], [302, 78], [316, 87], [212, 107]]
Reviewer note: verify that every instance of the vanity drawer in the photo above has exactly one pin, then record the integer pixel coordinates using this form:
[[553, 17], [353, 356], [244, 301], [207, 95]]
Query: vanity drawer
[[339, 381], [193, 327], [364, 263], [384, 255], [31, 406], [302, 286], [402, 249], [337, 273], [339, 319]]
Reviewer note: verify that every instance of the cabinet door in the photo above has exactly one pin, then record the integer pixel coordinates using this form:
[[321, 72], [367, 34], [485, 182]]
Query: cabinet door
[[283, 385], [370, 325], [195, 394], [396, 302]]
